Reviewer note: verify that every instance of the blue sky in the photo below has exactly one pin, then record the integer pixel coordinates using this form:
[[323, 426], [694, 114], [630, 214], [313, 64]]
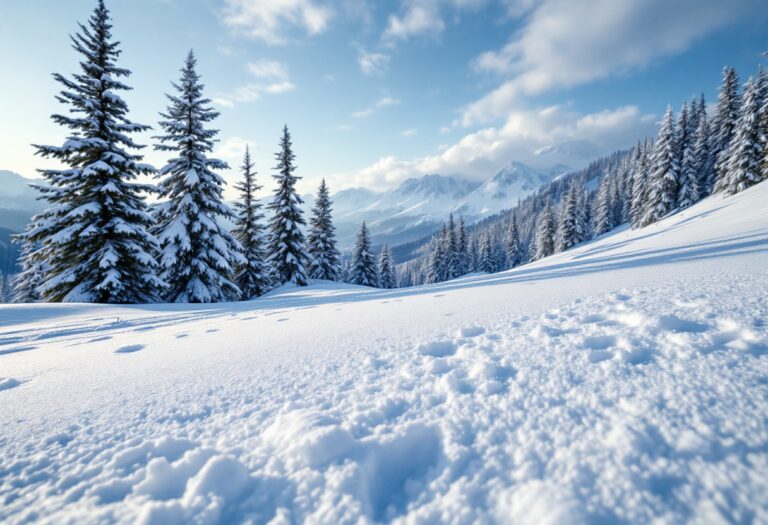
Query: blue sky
[[378, 91]]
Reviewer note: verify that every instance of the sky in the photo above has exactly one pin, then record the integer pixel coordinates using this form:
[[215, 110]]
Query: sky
[[375, 92]]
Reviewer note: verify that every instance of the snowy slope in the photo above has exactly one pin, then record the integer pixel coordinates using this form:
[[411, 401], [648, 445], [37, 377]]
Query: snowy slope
[[624, 381]]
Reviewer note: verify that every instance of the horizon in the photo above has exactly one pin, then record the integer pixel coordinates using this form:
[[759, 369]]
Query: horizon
[[373, 94]]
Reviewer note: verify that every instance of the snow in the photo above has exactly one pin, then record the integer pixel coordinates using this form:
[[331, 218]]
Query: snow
[[625, 380]]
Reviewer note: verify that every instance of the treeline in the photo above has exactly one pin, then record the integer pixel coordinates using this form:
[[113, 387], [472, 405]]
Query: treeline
[[101, 241], [693, 156]]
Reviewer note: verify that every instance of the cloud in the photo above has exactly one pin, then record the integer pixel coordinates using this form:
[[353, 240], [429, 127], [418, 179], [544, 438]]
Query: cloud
[[383, 102], [480, 154], [372, 64], [270, 20], [420, 17], [271, 78], [565, 44], [409, 133]]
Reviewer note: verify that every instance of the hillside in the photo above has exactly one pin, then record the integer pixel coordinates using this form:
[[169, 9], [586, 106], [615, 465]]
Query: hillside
[[622, 381]]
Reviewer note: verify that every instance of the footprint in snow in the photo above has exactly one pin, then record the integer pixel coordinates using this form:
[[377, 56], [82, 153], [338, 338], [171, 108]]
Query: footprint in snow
[[129, 349], [6, 383], [437, 348], [471, 331], [211, 330]]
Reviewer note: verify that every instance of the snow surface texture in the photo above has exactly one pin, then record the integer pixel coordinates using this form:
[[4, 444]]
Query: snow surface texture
[[623, 381]]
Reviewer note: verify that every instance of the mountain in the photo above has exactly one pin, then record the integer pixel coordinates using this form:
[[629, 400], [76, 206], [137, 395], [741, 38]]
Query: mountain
[[18, 201], [417, 206], [503, 190]]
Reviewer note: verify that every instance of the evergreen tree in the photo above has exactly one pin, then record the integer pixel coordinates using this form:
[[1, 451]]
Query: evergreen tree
[[461, 247], [386, 269], [198, 256], [512, 248], [24, 286], [602, 219], [321, 238], [473, 255], [363, 263], [701, 156], [286, 244], [745, 152], [568, 234], [724, 126], [688, 193], [252, 276], [663, 179], [453, 257], [434, 262], [93, 242], [639, 181], [487, 257], [543, 243]]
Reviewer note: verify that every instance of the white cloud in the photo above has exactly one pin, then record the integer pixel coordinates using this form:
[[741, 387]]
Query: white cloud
[[372, 64], [420, 17], [409, 133], [479, 154], [383, 102], [565, 43], [270, 20], [271, 78]]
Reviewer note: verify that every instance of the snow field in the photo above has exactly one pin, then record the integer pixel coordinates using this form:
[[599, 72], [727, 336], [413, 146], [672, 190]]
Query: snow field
[[623, 382]]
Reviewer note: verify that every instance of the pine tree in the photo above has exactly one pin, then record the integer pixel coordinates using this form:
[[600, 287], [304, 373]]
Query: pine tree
[[487, 257], [543, 243], [24, 285], [568, 234], [602, 219], [321, 238], [363, 263], [745, 152], [93, 242], [688, 193], [198, 256], [461, 247], [287, 246], [386, 269], [434, 262], [252, 276], [512, 248], [701, 155], [453, 257], [724, 125], [663, 180], [638, 192]]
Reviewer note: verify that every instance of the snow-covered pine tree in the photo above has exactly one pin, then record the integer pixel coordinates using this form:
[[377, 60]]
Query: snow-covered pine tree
[[386, 269], [602, 218], [763, 124], [512, 248], [321, 239], [683, 133], [745, 152], [461, 247], [434, 261], [453, 257], [198, 256], [24, 285], [473, 255], [253, 275], [94, 241], [543, 242], [286, 243], [639, 180], [487, 257], [363, 263], [688, 193], [664, 174], [724, 125], [701, 155], [568, 234], [3, 288]]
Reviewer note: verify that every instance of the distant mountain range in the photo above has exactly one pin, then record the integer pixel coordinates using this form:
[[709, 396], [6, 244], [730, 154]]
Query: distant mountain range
[[411, 211], [417, 206]]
